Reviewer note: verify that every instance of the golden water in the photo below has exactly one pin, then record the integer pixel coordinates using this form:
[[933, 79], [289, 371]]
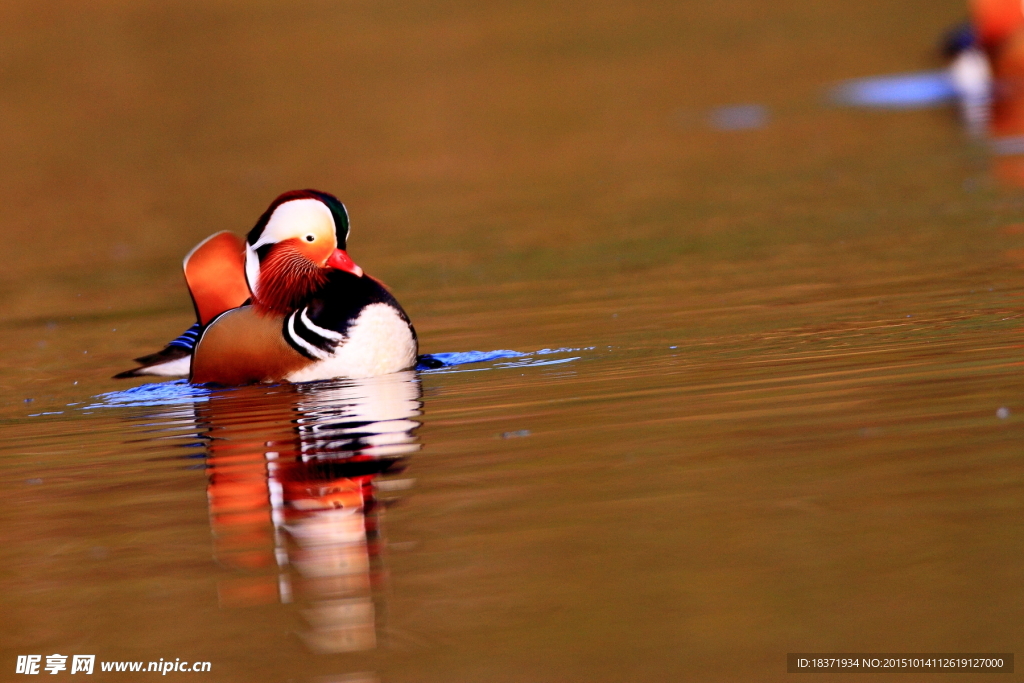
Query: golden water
[[779, 431]]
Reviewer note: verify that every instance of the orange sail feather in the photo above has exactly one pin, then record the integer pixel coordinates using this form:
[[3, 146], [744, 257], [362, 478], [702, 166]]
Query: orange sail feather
[[215, 274]]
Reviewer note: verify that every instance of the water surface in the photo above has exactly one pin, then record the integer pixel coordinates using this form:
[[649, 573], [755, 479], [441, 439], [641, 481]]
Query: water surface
[[779, 409]]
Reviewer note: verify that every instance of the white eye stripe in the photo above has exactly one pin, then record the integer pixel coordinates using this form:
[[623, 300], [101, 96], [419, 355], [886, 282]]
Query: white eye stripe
[[296, 218]]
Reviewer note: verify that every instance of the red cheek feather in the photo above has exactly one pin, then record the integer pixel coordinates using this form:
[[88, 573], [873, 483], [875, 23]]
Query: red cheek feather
[[287, 278]]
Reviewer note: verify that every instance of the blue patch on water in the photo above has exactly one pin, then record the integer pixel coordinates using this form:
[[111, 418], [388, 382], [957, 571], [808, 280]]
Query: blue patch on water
[[465, 357], [899, 91], [564, 349], [530, 362], [522, 359], [178, 392]]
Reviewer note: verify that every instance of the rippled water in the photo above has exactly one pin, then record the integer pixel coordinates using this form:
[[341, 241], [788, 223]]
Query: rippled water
[[743, 390]]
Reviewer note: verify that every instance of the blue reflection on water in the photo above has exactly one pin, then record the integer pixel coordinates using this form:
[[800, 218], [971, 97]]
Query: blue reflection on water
[[177, 392], [898, 91], [449, 361], [464, 357], [180, 392]]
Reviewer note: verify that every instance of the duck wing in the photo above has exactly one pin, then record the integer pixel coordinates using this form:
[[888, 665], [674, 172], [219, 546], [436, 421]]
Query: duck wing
[[243, 346], [215, 274]]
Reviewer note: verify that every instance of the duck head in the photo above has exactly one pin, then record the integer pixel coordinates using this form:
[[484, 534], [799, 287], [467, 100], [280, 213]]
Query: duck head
[[293, 247]]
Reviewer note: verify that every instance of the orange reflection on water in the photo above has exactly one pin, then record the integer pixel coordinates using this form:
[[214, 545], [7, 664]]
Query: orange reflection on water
[[292, 500]]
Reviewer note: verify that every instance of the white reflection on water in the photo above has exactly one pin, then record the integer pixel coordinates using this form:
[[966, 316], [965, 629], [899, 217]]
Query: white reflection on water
[[296, 478], [292, 502], [294, 510]]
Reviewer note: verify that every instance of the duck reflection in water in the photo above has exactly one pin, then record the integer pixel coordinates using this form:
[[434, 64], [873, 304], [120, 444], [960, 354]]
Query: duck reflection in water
[[988, 59], [294, 472]]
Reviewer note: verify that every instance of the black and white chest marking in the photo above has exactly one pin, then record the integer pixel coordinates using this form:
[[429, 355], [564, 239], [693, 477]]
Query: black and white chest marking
[[308, 338]]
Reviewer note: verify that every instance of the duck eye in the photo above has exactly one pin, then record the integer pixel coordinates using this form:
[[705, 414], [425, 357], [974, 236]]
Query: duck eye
[[310, 238]]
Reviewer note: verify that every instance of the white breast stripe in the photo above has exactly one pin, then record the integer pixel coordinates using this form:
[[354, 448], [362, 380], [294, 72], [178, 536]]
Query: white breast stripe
[[325, 333], [319, 354]]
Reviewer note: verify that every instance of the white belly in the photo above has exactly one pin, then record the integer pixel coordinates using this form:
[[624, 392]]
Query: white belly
[[377, 343]]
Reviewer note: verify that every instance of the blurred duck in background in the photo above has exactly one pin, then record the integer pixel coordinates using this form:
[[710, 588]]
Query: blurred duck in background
[[987, 69], [970, 74]]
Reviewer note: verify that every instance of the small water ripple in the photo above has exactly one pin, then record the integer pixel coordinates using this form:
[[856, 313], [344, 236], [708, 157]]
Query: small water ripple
[[495, 358]]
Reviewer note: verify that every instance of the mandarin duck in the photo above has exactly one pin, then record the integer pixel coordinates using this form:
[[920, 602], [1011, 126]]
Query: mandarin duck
[[287, 303]]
